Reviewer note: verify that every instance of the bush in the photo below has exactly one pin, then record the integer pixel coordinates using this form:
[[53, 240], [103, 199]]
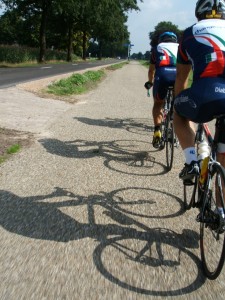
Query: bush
[[18, 54]]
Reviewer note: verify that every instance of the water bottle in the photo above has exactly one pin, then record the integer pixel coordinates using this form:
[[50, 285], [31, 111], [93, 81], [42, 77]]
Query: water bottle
[[204, 170], [203, 150], [203, 157]]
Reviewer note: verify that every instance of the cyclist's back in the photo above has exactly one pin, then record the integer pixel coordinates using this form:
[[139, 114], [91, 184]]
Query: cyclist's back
[[203, 46], [204, 43], [164, 57], [161, 75]]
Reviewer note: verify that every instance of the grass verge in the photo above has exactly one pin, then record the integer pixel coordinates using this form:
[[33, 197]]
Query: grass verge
[[11, 150], [76, 84], [80, 83]]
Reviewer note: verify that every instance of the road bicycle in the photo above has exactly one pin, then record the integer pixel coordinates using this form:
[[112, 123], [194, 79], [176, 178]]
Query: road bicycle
[[207, 193], [169, 139]]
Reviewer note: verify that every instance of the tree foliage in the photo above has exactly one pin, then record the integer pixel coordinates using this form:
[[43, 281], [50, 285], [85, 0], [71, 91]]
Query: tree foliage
[[159, 29], [47, 23]]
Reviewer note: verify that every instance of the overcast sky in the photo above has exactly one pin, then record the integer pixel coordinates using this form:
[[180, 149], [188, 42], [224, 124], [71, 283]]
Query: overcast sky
[[179, 12]]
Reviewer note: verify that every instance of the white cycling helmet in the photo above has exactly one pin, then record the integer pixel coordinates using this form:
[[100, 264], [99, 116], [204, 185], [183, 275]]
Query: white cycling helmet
[[210, 9]]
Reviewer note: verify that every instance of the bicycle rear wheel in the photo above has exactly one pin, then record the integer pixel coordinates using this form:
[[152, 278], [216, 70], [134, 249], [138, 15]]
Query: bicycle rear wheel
[[169, 140], [212, 233]]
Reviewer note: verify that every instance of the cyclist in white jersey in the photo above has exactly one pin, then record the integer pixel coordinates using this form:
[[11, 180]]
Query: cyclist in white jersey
[[161, 74]]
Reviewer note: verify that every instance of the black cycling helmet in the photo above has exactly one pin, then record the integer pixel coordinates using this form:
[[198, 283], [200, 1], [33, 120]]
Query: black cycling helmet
[[167, 36], [210, 9]]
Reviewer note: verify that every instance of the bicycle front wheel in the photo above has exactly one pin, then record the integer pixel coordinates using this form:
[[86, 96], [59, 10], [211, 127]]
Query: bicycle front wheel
[[212, 233], [169, 140]]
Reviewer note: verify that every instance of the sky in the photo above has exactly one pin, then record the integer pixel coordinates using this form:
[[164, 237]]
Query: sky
[[152, 12]]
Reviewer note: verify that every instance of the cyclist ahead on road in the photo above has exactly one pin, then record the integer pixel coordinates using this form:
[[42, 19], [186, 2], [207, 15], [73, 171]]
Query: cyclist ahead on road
[[161, 75], [202, 48]]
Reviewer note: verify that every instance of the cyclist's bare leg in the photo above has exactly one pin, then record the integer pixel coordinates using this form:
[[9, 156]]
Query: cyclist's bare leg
[[185, 131], [157, 112]]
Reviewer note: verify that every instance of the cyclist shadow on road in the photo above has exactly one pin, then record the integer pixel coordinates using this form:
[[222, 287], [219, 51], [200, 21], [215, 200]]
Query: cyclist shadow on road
[[114, 221], [138, 126], [124, 156]]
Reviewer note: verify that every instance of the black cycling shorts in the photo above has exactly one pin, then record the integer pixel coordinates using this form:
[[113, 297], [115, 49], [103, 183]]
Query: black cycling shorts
[[204, 101], [164, 77]]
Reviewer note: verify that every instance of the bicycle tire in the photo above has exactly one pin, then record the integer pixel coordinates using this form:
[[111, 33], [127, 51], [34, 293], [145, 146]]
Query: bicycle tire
[[169, 140], [212, 233]]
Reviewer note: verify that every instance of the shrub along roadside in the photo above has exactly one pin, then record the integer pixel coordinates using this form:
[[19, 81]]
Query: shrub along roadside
[[18, 54]]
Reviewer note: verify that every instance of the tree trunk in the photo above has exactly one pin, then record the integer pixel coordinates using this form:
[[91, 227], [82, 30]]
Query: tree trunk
[[100, 50], [84, 45], [70, 43], [45, 6]]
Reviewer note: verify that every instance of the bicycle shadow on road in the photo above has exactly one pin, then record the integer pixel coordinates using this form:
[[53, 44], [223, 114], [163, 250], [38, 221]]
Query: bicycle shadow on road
[[139, 126], [116, 221], [157, 262], [124, 156], [42, 217]]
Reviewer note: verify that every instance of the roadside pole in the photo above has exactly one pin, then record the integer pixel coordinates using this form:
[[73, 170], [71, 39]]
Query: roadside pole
[[129, 49]]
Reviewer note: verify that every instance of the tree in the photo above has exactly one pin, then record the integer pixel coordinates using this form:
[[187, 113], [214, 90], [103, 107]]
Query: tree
[[160, 28], [67, 14], [111, 15], [36, 8], [58, 23]]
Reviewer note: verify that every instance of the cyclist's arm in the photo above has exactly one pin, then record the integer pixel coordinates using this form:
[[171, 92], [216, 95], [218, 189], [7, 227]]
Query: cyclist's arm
[[151, 73], [181, 83]]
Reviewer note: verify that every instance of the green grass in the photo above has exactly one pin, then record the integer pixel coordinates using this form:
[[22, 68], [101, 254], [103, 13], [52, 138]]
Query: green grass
[[13, 149], [117, 66], [144, 63], [76, 84], [80, 83]]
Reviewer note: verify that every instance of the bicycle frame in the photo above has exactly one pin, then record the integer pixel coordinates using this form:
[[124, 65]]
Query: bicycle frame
[[168, 102]]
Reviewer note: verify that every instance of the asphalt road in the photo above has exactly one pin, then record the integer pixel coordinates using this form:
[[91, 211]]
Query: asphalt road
[[12, 76], [89, 210]]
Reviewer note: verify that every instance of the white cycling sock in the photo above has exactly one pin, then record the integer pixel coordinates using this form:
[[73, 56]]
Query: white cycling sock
[[190, 154]]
